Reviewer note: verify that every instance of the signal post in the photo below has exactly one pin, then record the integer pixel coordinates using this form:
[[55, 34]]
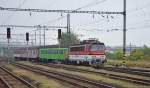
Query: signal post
[[8, 38], [59, 37], [27, 40]]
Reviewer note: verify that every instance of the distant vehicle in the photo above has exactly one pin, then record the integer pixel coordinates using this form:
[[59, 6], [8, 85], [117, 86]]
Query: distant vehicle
[[89, 52]]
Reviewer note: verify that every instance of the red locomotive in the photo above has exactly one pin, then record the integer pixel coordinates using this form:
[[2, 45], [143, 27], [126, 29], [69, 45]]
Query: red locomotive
[[90, 52]]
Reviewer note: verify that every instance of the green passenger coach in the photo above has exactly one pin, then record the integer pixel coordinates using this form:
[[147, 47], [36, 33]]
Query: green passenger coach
[[53, 54]]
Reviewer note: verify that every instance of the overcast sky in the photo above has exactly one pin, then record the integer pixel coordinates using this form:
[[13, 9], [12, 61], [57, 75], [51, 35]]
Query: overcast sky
[[84, 25]]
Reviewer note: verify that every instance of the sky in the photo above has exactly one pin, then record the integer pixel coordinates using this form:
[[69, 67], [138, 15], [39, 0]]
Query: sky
[[83, 25]]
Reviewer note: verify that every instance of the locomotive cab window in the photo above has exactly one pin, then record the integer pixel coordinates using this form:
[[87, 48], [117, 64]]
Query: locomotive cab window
[[97, 47], [78, 48]]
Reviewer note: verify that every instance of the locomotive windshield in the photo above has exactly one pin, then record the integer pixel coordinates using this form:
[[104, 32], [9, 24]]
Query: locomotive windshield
[[77, 48], [97, 47]]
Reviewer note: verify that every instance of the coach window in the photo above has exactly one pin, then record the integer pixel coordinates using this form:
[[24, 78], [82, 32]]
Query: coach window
[[49, 52], [62, 51], [42, 51], [52, 52], [57, 51]]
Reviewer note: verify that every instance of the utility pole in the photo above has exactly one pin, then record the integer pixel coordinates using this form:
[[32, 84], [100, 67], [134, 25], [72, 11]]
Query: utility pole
[[40, 34], [39, 28], [35, 37], [44, 34], [124, 28], [130, 48], [68, 23], [68, 28]]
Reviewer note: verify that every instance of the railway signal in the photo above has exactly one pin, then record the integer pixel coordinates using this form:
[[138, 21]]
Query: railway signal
[[27, 36], [27, 39], [59, 37], [59, 34], [8, 33], [8, 38]]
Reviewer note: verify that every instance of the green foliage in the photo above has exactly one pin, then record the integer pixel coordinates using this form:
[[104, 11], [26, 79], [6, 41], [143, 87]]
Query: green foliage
[[136, 55], [69, 39], [110, 56], [117, 55], [146, 51], [141, 54]]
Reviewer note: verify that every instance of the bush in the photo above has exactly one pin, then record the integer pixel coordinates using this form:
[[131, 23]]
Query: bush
[[117, 55], [136, 55]]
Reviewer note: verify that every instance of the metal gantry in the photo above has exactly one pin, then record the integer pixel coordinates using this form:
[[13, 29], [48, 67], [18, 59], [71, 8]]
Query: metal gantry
[[60, 11]]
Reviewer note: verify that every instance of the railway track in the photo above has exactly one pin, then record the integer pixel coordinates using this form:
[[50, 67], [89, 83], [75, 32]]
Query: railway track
[[129, 71], [79, 82], [136, 69], [113, 76], [3, 83], [10, 80]]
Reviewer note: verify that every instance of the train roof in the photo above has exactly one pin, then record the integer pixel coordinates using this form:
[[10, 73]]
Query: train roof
[[57, 46], [31, 47], [53, 46]]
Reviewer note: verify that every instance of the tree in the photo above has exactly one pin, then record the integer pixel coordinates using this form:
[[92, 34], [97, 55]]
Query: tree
[[145, 46], [119, 54], [110, 55], [69, 39], [137, 54], [146, 50]]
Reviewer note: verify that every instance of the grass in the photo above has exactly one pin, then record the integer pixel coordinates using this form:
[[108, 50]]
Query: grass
[[43, 81], [129, 63], [95, 77]]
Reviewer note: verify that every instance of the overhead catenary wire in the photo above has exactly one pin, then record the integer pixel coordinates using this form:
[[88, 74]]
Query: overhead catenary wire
[[95, 22], [90, 29], [88, 5], [29, 26], [73, 11], [138, 9], [13, 13], [52, 3], [117, 29], [54, 20], [132, 27], [96, 2]]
